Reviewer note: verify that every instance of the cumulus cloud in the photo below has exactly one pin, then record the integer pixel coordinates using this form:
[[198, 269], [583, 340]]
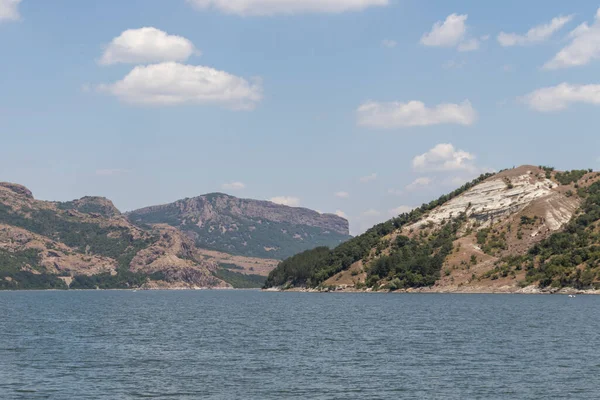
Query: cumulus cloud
[[444, 157], [556, 98], [146, 45], [368, 178], [340, 213], [272, 7], [537, 34], [9, 10], [342, 195], [419, 183], [389, 43], [233, 186], [448, 33], [452, 32], [583, 48], [286, 201], [414, 113], [400, 210], [171, 83]]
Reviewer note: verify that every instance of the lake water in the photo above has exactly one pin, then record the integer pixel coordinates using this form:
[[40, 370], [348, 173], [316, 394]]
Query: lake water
[[254, 345]]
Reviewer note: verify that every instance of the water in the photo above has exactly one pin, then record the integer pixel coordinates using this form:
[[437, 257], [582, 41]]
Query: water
[[253, 345]]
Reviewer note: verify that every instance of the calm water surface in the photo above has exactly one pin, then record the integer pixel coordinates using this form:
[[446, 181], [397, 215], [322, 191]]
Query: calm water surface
[[253, 345]]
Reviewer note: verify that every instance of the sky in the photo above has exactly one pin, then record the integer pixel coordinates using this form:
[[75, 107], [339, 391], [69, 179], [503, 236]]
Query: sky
[[364, 108]]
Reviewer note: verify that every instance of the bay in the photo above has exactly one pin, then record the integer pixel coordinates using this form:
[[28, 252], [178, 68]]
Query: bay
[[263, 345]]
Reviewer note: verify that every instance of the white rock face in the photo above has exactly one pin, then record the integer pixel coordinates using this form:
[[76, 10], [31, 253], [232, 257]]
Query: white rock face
[[495, 198]]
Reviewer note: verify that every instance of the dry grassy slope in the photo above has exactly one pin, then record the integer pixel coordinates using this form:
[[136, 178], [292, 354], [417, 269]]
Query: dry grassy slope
[[497, 204], [248, 265], [168, 251], [55, 257]]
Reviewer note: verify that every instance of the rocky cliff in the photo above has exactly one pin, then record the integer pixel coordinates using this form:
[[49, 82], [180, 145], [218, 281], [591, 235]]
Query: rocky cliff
[[247, 227], [524, 229]]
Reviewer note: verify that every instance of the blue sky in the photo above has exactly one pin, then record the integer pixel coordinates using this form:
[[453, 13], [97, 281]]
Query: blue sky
[[361, 107]]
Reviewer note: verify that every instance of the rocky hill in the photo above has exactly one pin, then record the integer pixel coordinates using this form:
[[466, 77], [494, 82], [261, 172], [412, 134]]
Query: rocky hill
[[527, 229], [88, 243], [247, 227]]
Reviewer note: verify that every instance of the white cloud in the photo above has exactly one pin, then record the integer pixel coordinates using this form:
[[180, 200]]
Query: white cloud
[[556, 98], [537, 34], [171, 83], [395, 192], [272, 7], [233, 186], [342, 195], [286, 201], [444, 157], [368, 178], [584, 47], [389, 43], [9, 10], [414, 113], [400, 210], [448, 33], [419, 183], [452, 32], [340, 213], [147, 45], [111, 172]]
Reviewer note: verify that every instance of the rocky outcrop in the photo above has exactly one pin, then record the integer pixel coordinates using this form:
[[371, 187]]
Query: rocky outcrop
[[53, 257], [94, 206], [176, 257], [506, 194], [17, 189]]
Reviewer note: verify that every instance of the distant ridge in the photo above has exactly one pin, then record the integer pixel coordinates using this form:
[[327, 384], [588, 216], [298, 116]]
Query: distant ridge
[[247, 227]]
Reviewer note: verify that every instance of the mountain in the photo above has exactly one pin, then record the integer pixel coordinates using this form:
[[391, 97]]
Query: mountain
[[246, 227], [88, 243], [527, 229]]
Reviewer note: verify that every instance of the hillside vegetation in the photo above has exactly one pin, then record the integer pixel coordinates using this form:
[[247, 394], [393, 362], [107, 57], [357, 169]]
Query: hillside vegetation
[[313, 267], [521, 228]]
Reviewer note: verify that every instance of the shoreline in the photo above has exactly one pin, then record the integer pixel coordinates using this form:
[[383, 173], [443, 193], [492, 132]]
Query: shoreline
[[529, 290]]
